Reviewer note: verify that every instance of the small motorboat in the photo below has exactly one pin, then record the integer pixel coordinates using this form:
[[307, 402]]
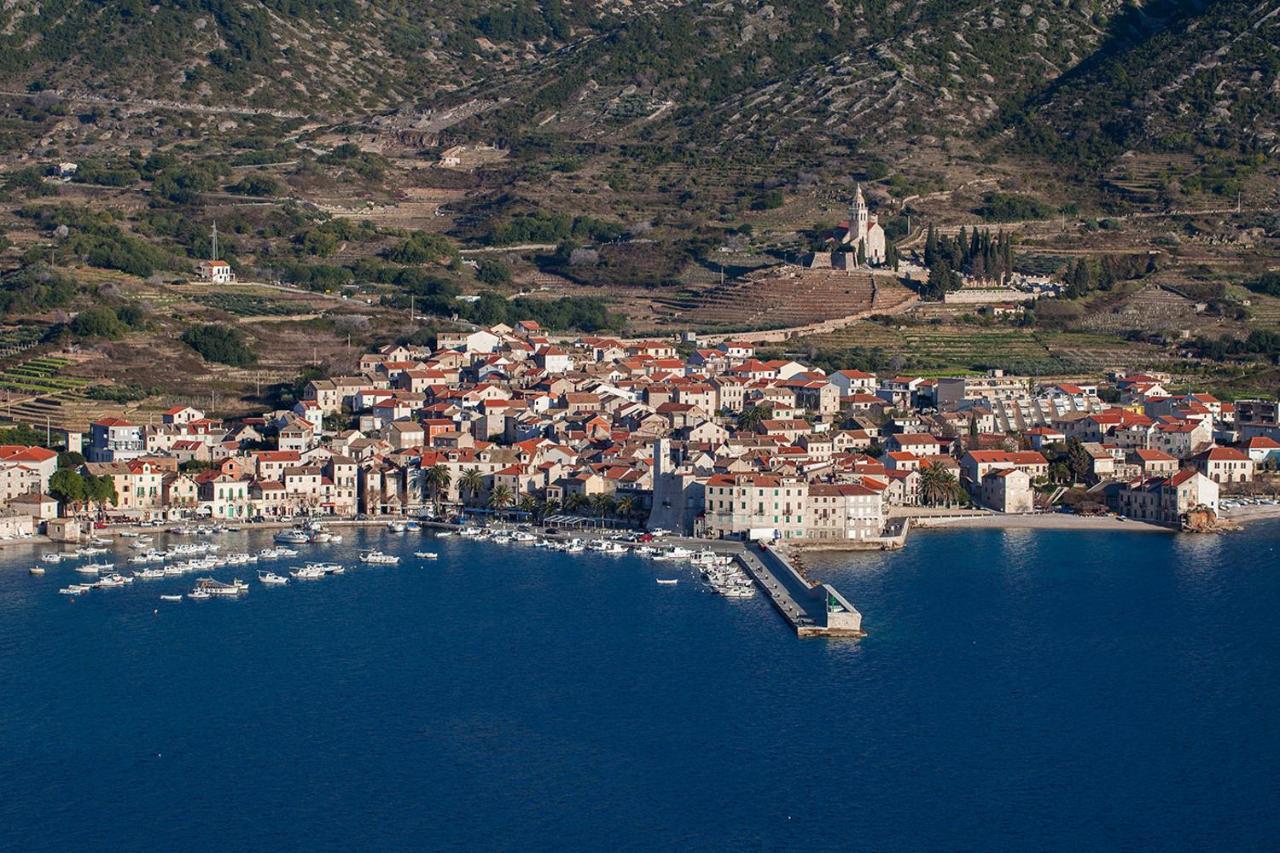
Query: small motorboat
[[379, 558], [668, 581], [171, 598], [199, 595], [36, 570], [272, 579], [426, 555], [53, 557]]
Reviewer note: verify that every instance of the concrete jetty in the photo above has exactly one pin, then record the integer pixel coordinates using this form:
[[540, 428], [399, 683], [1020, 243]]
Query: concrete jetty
[[813, 610]]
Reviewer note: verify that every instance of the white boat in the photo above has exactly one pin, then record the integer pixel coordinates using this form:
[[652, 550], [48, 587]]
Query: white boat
[[379, 558], [36, 570], [129, 534], [426, 555], [523, 536], [412, 526], [397, 526], [293, 537], [74, 589], [53, 557], [272, 579], [668, 581], [199, 595], [88, 569], [171, 598], [150, 574], [112, 582], [308, 573]]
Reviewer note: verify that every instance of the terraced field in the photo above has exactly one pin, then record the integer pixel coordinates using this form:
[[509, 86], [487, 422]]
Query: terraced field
[[39, 376], [952, 348], [249, 306], [774, 300]]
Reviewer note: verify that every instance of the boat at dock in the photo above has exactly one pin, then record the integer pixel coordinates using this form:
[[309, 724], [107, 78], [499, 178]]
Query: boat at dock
[[397, 526]]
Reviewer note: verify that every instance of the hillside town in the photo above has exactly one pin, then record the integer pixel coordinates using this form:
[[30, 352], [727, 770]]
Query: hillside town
[[700, 439]]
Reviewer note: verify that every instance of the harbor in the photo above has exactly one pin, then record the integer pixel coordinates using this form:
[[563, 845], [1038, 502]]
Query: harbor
[[731, 569]]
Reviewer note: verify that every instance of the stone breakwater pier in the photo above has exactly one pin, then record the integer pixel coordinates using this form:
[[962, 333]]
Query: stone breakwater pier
[[813, 610]]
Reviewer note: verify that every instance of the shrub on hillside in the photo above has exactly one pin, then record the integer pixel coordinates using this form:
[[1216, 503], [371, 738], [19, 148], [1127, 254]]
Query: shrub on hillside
[[221, 344]]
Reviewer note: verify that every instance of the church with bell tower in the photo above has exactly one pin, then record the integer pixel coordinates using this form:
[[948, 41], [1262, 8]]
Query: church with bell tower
[[862, 233]]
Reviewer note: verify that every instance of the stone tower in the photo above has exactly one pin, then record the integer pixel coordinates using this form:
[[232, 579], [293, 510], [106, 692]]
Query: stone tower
[[859, 218]]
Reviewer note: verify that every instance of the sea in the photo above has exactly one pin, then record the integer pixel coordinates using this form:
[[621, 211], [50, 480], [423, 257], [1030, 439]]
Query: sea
[[1017, 690]]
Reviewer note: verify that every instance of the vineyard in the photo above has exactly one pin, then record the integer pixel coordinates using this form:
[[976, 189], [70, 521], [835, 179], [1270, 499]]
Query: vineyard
[[248, 306], [39, 376]]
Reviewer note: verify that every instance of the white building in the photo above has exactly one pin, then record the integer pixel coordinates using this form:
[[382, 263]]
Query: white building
[[217, 272]]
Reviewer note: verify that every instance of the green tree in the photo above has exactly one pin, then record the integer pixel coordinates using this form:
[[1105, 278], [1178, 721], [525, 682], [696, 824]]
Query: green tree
[[938, 485], [753, 416], [68, 486], [223, 344], [500, 498], [437, 480], [471, 483]]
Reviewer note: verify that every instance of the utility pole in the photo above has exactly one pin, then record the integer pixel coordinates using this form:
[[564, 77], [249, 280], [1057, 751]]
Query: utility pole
[[213, 251]]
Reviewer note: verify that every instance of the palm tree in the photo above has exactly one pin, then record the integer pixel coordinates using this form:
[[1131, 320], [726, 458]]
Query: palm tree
[[500, 498], [625, 507], [602, 504], [471, 483], [437, 479], [575, 502], [550, 507], [753, 416], [528, 505], [937, 485]]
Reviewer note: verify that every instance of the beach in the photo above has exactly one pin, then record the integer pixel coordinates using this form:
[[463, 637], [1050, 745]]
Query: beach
[[1040, 521]]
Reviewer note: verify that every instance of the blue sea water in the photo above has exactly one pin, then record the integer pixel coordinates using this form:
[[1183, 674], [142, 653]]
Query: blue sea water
[[1018, 690]]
